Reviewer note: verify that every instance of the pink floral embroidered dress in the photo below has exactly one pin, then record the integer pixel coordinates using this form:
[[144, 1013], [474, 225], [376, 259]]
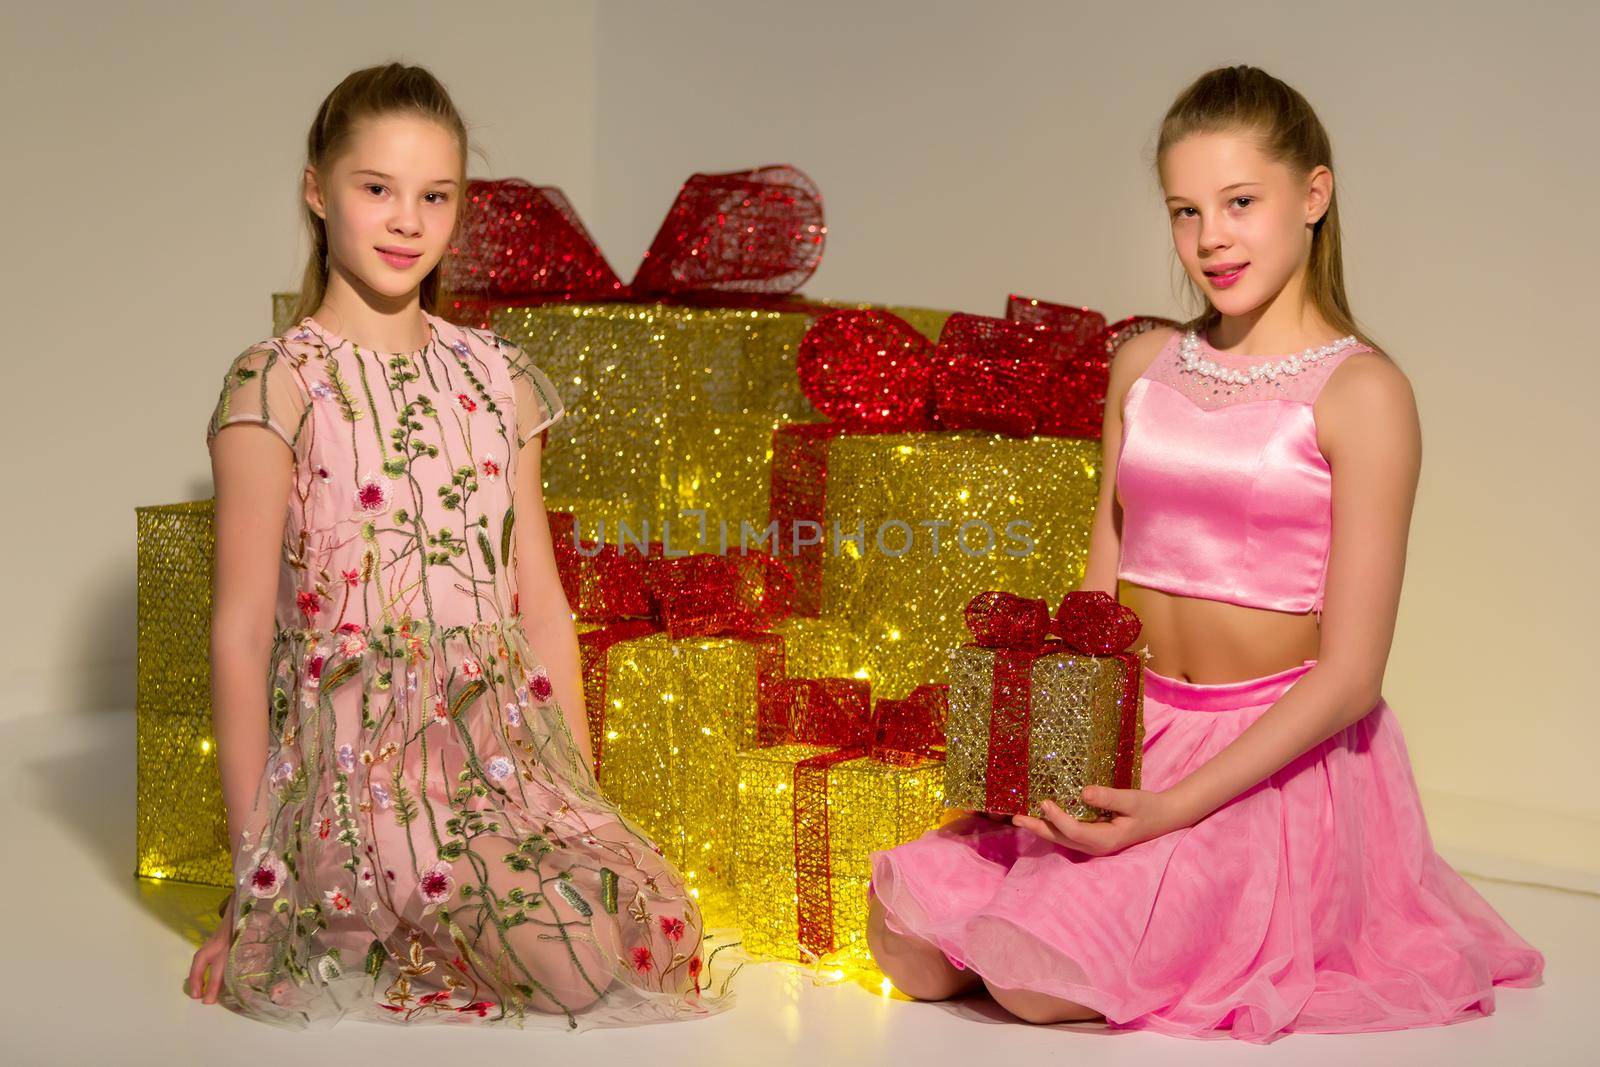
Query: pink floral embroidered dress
[[428, 843]]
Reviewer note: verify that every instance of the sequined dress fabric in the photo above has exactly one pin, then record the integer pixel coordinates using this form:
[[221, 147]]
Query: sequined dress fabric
[[428, 844], [1313, 902]]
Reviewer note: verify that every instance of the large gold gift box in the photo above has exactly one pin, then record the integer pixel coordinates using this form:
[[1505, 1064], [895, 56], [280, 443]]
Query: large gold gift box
[[182, 826], [914, 524]]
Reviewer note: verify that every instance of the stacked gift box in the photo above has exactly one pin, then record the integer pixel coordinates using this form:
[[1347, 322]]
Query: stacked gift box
[[944, 469], [846, 779]]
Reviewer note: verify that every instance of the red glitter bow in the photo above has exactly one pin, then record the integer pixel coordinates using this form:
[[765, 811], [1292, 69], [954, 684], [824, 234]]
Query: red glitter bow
[[1041, 370], [1006, 620], [691, 595], [834, 711], [700, 595], [1094, 623], [1088, 623], [741, 237]]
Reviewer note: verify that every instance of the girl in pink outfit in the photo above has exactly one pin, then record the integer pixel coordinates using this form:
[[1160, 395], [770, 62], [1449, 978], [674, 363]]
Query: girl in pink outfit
[[417, 832], [1275, 873]]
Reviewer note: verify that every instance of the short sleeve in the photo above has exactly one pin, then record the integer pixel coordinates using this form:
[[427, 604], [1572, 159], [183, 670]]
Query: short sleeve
[[538, 403], [262, 386]]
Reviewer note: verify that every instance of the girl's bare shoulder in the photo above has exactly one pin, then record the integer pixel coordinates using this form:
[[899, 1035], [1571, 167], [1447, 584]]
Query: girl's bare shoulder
[[1364, 379], [1134, 356]]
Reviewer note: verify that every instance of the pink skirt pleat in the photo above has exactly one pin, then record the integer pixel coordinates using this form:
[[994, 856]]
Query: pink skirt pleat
[[1312, 903]]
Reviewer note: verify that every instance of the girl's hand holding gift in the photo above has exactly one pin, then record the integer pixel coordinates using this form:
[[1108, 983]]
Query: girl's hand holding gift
[[1137, 815]]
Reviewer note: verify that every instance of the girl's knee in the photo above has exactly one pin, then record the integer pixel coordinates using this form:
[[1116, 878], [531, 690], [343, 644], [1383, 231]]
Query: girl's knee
[[1040, 1008], [917, 968]]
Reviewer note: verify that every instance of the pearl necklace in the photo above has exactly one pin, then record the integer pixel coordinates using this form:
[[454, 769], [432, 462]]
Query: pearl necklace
[[1192, 361]]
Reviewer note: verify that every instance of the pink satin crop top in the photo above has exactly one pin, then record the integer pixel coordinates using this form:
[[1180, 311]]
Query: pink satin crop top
[[1224, 492]]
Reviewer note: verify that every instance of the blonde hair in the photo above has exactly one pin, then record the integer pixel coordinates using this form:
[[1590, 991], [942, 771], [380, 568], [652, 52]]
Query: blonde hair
[[1248, 101], [392, 88]]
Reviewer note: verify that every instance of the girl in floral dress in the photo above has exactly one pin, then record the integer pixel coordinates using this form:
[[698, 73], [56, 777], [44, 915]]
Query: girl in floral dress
[[417, 832]]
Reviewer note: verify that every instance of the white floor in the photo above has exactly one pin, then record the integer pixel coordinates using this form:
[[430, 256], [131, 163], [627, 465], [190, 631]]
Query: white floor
[[96, 961]]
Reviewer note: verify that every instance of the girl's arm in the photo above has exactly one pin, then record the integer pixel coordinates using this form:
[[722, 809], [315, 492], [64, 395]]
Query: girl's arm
[[1367, 426], [253, 471], [1105, 534], [546, 616]]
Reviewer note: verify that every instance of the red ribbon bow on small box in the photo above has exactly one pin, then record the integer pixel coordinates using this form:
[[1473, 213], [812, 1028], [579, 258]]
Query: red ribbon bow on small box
[[1020, 630], [699, 595], [835, 711]]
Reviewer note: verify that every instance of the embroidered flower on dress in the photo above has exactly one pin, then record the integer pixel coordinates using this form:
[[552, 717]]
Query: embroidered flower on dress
[[310, 603], [352, 577], [267, 878], [642, 961], [347, 758], [467, 403], [500, 768], [539, 686], [322, 390], [470, 668], [372, 494], [490, 466], [314, 662], [337, 900], [381, 794], [352, 646], [513, 715], [437, 884], [324, 475], [283, 772], [460, 348], [441, 713], [366, 877], [672, 928], [324, 828]]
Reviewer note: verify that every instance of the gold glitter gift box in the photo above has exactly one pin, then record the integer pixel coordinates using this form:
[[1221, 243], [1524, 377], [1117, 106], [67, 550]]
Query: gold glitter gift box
[[182, 827], [675, 715], [914, 524], [810, 817], [1028, 725], [871, 806]]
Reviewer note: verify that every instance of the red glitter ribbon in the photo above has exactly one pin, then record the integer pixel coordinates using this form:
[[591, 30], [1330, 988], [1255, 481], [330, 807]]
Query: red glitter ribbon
[[835, 712], [1089, 623], [1094, 623], [1086, 344], [1041, 370], [699, 595], [745, 238]]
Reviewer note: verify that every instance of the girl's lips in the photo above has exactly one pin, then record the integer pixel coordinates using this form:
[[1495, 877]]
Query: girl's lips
[[1223, 281], [397, 261]]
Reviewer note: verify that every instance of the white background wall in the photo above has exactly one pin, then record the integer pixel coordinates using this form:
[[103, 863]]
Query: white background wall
[[964, 151]]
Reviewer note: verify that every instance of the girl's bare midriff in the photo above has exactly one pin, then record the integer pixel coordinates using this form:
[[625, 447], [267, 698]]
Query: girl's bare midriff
[[1213, 642]]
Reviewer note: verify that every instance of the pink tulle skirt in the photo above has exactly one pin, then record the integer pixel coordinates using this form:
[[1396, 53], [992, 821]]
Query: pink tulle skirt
[[1311, 903]]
